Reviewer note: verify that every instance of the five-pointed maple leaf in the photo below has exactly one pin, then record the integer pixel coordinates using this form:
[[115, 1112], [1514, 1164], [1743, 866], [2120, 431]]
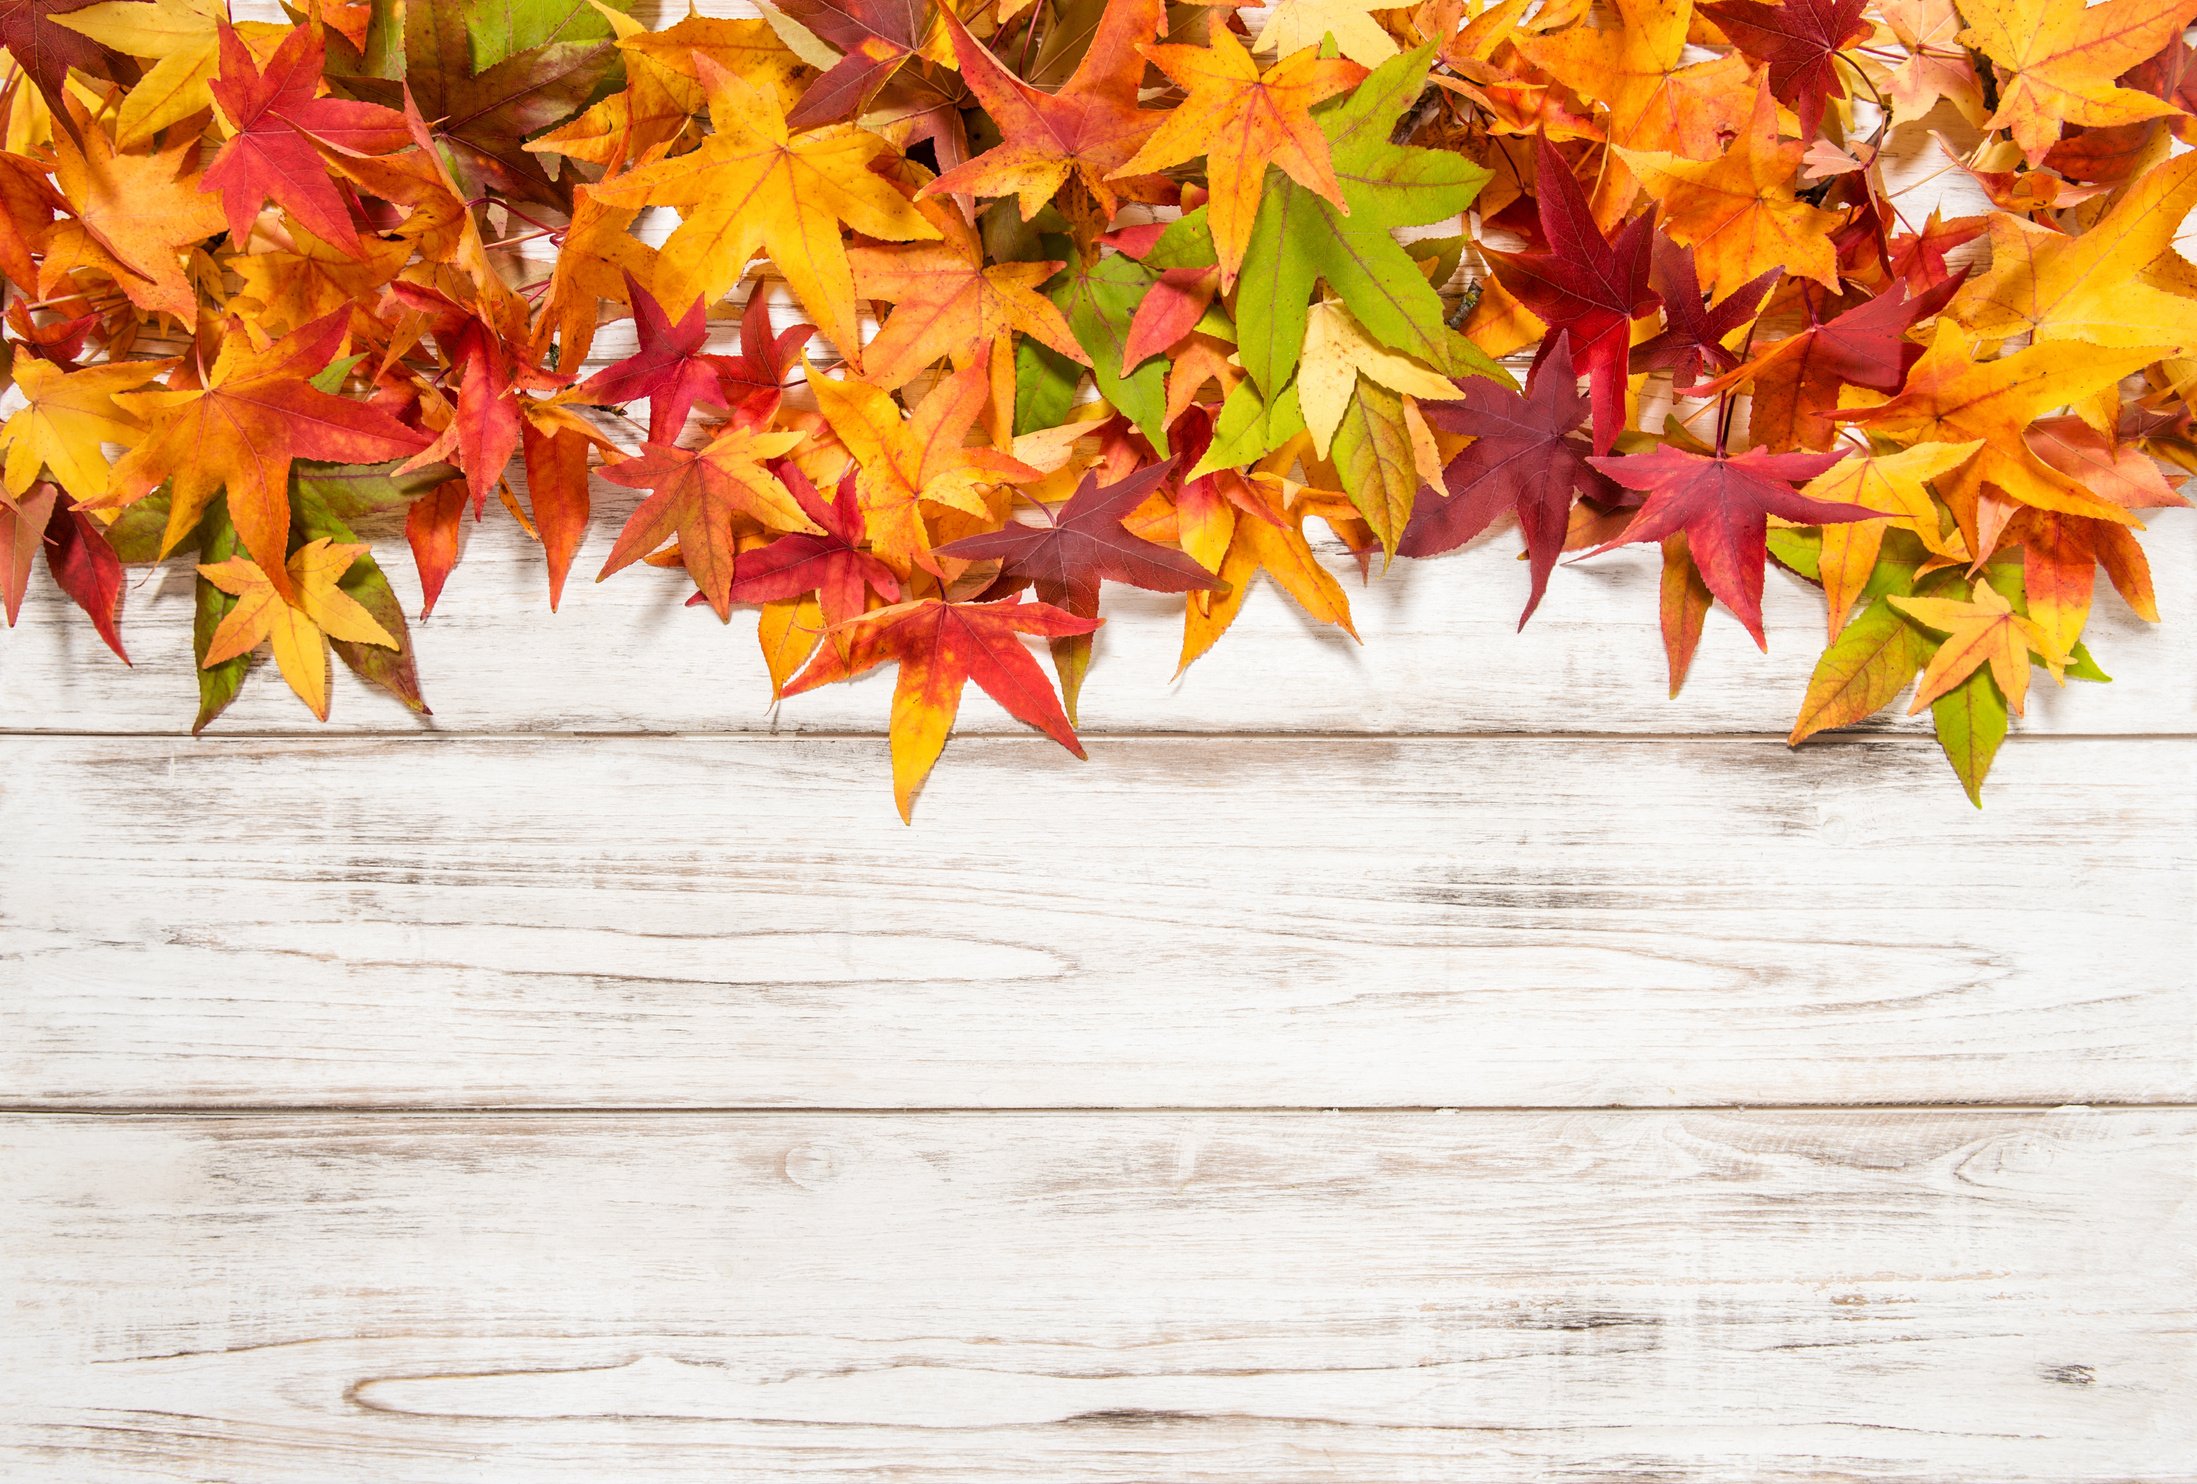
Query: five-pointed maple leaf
[[947, 301], [1738, 212], [278, 120], [135, 216], [299, 615], [1694, 332], [1983, 632], [241, 430], [753, 380], [669, 367], [1523, 457], [1243, 120], [1951, 397], [1797, 40], [1722, 506], [2062, 58], [698, 493], [905, 462], [1584, 285], [65, 417], [832, 563], [753, 185], [1084, 542], [940, 647], [1084, 132]]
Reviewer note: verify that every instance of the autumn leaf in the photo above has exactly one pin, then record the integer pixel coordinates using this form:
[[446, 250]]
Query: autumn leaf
[[2061, 60], [279, 121], [240, 431], [1738, 212], [135, 216], [297, 623], [1951, 397], [1584, 286], [906, 463], [1523, 457], [1982, 632], [698, 495], [1301, 238], [65, 417], [1294, 24], [753, 185], [947, 301], [1638, 69], [1722, 505], [45, 48], [1081, 544], [1242, 120], [1800, 42], [1085, 132], [832, 562], [940, 647], [179, 37], [2089, 287]]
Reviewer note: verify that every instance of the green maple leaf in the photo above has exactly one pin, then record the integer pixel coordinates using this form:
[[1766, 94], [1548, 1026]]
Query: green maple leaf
[[498, 29], [1099, 299], [1299, 238]]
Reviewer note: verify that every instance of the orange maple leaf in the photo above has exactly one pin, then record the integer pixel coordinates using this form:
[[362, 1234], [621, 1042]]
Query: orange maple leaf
[[940, 647]]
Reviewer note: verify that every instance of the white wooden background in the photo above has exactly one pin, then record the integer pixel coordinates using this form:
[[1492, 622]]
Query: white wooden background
[[1445, 1059]]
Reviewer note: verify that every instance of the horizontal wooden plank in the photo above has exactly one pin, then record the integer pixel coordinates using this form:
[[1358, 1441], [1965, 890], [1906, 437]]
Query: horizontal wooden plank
[[1180, 922], [1441, 655], [1485, 1297]]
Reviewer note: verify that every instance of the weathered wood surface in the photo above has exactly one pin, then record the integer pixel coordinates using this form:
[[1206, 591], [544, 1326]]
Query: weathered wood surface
[[1086, 1297], [1179, 922]]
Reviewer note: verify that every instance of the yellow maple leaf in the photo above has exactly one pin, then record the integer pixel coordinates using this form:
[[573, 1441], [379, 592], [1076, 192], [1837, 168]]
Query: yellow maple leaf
[[135, 215], [1895, 483], [299, 628], [1292, 25], [2052, 286], [753, 186], [2062, 59], [1985, 631], [1337, 351], [67, 415]]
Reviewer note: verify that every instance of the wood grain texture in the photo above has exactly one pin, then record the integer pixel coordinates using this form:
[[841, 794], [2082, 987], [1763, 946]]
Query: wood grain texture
[[1484, 1297], [1180, 922]]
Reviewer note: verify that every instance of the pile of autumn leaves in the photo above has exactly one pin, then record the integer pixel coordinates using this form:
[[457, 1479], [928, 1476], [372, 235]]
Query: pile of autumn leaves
[[1144, 311]]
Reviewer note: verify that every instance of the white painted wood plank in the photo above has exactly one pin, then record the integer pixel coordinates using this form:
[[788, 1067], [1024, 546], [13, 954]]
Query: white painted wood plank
[[1484, 1297], [1441, 654], [1180, 922]]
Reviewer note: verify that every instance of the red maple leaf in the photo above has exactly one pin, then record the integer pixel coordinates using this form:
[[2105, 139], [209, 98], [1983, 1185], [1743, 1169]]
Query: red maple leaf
[[1584, 285], [1522, 457], [1796, 41], [1693, 331], [1085, 542], [668, 367], [278, 122], [1723, 504], [835, 565]]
